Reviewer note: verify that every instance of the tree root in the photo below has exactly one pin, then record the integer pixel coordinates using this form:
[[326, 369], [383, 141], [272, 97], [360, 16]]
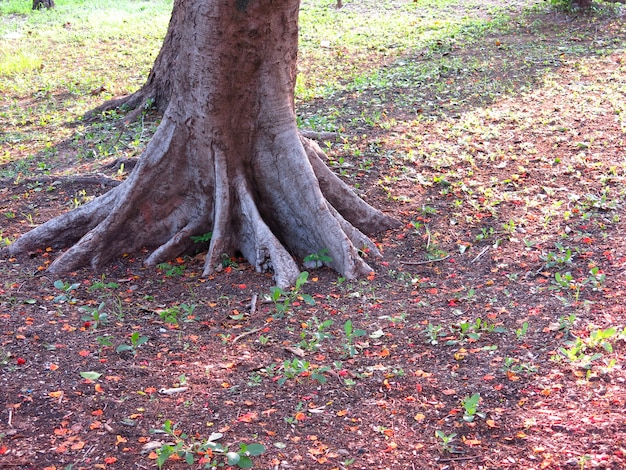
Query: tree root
[[283, 201]]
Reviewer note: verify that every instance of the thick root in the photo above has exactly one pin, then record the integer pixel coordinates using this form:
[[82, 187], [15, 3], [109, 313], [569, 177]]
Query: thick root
[[266, 215]]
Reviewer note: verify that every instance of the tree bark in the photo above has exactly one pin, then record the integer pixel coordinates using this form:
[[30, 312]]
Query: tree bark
[[41, 4], [227, 158]]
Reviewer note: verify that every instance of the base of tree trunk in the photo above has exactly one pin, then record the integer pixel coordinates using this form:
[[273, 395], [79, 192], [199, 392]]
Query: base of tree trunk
[[254, 218], [41, 4]]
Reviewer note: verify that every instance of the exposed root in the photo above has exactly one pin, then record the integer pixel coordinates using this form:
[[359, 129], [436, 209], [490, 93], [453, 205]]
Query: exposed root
[[343, 198], [266, 214]]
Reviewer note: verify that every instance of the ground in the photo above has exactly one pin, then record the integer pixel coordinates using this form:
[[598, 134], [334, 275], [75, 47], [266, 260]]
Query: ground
[[491, 334]]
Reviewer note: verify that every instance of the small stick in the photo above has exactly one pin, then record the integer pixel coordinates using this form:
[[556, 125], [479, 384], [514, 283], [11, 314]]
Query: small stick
[[253, 304], [471, 457], [417, 263], [10, 417], [484, 250], [243, 335]]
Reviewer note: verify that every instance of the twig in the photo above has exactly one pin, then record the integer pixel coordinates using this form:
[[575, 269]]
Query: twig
[[417, 263], [454, 459], [10, 417], [243, 335], [253, 304], [427, 233], [484, 250]]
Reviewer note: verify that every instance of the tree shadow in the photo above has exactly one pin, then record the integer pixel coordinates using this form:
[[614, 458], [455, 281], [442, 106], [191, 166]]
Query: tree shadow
[[448, 78]]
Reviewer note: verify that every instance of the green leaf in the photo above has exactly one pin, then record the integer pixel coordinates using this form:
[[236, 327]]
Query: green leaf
[[255, 449], [124, 347], [347, 327], [90, 375], [233, 458], [245, 462]]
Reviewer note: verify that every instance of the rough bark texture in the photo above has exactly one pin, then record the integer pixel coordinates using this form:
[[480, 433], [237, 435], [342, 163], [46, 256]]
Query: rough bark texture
[[227, 158], [41, 4]]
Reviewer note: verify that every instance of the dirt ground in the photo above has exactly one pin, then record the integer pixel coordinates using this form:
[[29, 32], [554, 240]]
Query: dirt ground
[[506, 280]]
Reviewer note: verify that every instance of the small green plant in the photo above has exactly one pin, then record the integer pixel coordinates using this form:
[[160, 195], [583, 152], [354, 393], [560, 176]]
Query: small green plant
[[105, 341], [446, 441], [563, 257], [95, 317], [351, 334], [473, 330], [188, 449], [313, 333], [102, 284], [173, 314], [204, 238], [514, 365], [485, 233], [316, 260], [284, 299], [566, 323], [172, 270], [595, 279], [470, 407], [566, 282], [136, 341], [67, 290], [292, 370], [433, 333], [521, 331]]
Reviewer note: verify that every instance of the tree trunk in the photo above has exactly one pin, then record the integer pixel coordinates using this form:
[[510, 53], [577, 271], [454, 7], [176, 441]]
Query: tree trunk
[[227, 158], [41, 4]]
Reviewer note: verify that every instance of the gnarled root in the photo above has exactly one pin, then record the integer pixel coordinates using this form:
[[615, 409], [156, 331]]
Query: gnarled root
[[284, 201]]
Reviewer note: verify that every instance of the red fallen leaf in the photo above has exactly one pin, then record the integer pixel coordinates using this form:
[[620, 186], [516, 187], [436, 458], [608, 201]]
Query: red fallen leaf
[[511, 375], [78, 445], [489, 377], [3, 450], [300, 416], [247, 417], [83, 353], [110, 460], [21, 361], [391, 446], [471, 442]]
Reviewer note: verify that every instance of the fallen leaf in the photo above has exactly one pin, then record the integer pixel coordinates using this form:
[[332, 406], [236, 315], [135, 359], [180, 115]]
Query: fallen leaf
[[419, 417], [77, 445], [247, 417]]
